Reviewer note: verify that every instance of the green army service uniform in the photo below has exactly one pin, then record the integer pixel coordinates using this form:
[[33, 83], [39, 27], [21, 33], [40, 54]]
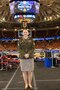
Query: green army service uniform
[[26, 46]]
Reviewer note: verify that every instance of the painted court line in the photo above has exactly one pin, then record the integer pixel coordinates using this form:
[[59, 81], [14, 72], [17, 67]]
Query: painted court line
[[14, 89], [34, 82], [3, 81], [49, 80], [21, 82], [46, 80], [11, 79]]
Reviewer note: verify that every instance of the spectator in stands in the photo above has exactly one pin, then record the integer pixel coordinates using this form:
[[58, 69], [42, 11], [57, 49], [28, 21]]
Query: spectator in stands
[[26, 49]]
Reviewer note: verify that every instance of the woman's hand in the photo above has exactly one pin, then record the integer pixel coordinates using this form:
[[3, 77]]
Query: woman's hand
[[26, 55]]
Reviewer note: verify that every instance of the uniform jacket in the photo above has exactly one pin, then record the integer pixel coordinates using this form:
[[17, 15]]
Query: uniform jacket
[[26, 46]]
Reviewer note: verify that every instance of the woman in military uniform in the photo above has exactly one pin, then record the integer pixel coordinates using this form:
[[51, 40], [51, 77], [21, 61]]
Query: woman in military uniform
[[26, 49]]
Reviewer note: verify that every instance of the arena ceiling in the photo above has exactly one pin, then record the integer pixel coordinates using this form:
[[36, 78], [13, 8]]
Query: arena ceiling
[[48, 19]]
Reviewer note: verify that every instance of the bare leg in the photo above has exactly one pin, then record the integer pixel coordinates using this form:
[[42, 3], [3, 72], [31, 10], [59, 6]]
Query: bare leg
[[30, 75], [25, 77]]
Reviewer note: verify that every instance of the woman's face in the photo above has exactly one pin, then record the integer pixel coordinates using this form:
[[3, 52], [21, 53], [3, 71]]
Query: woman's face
[[25, 33]]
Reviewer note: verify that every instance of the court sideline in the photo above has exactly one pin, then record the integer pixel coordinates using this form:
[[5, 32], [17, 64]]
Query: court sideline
[[43, 79]]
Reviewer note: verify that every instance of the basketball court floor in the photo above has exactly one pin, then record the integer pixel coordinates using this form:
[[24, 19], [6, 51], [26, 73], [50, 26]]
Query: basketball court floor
[[43, 78]]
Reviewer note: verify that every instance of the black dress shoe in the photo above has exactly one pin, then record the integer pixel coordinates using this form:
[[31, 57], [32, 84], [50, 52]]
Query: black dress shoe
[[31, 88]]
